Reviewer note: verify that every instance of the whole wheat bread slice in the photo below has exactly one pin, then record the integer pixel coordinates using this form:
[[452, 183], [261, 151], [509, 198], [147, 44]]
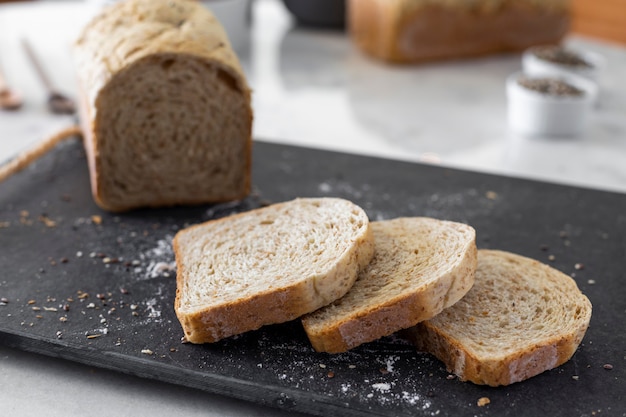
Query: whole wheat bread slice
[[268, 265], [421, 266], [521, 318]]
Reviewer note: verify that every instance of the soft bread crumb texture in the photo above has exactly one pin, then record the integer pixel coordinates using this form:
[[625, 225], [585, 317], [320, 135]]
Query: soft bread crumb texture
[[521, 318], [421, 266], [165, 106], [268, 265]]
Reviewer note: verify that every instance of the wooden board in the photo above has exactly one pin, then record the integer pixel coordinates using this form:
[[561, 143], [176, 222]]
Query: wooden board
[[96, 288]]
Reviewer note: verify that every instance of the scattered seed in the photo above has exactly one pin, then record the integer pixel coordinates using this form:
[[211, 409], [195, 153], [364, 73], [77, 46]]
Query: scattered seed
[[63, 319], [544, 247], [491, 195], [64, 260], [352, 366], [96, 219], [123, 290], [36, 309], [91, 305], [47, 221], [4, 300], [383, 371], [330, 374], [551, 258], [591, 281], [575, 377], [133, 306], [322, 366], [607, 366], [59, 335], [483, 401], [184, 340], [39, 316], [79, 254], [450, 377], [147, 351], [31, 302], [579, 266], [173, 349], [51, 309], [101, 296]]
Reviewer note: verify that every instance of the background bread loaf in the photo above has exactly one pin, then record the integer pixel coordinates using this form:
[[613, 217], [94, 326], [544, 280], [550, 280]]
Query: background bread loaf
[[421, 30], [165, 106]]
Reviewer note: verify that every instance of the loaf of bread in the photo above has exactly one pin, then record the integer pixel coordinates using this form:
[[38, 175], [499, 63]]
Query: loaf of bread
[[520, 318], [421, 30], [165, 106], [268, 265], [421, 266]]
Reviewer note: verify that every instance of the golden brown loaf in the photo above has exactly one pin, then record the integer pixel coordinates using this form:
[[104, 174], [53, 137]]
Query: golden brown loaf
[[421, 266], [521, 318], [165, 106], [421, 30], [268, 265]]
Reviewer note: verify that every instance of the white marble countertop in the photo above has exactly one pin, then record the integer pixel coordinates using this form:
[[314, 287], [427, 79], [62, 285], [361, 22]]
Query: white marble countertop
[[311, 88]]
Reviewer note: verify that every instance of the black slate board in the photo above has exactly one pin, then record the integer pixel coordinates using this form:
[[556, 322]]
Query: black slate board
[[121, 316]]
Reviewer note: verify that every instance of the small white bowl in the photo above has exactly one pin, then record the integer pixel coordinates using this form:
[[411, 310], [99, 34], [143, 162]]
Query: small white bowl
[[533, 113], [533, 65]]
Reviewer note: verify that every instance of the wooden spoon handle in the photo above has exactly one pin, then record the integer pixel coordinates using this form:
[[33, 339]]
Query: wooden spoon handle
[[37, 64]]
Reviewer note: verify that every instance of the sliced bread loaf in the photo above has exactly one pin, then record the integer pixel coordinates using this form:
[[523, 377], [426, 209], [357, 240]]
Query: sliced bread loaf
[[421, 266], [165, 106], [268, 265], [521, 318]]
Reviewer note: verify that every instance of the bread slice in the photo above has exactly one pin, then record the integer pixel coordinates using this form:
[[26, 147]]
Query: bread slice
[[421, 265], [269, 265], [521, 318], [165, 106]]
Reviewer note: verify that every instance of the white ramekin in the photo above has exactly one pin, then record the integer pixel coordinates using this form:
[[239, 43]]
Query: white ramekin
[[532, 113], [535, 66]]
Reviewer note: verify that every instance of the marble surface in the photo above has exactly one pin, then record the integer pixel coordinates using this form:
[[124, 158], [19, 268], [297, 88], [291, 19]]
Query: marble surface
[[311, 88]]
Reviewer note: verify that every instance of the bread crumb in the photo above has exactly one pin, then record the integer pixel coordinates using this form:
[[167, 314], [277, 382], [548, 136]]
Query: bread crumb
[[96, 219], [483, 401]]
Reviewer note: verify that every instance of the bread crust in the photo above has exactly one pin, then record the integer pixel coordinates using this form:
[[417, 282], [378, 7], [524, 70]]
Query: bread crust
[[527, 360], [271, 305], [405, 310], [135, 33], [409, 31]]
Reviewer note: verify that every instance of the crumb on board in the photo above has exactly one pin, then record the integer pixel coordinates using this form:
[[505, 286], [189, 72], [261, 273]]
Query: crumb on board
[[483, 401]]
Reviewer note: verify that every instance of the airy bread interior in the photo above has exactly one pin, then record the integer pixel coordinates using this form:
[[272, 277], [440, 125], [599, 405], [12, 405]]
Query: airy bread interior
[[521, 318], [421, 265], [268, 265]]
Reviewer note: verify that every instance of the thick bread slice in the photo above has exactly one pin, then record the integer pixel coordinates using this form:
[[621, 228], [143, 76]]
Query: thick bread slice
[[165, 106], [421, 265], [521, 318], [268, 265]]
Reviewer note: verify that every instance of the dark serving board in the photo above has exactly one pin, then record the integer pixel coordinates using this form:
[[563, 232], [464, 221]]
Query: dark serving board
[[111, 272]]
